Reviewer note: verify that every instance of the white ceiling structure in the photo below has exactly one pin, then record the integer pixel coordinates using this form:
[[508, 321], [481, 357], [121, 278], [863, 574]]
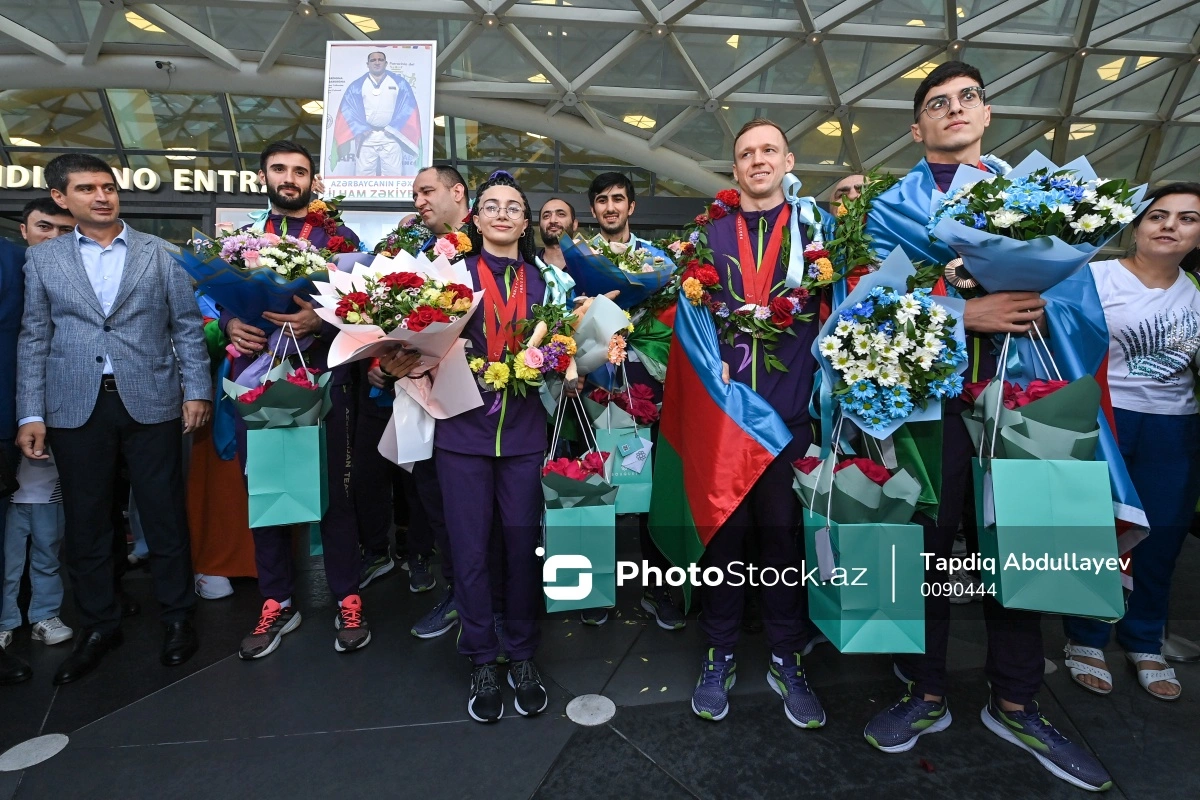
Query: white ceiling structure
[[662, 84]]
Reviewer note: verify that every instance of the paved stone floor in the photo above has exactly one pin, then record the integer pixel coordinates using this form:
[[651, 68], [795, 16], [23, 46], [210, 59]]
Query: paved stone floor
[[390, 721]]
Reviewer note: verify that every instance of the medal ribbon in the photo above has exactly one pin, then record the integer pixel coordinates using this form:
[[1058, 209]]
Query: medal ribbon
[[304, 231], [757, 278], [499, 320]]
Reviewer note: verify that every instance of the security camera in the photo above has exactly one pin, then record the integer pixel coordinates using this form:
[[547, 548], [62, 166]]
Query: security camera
[[160, 64]]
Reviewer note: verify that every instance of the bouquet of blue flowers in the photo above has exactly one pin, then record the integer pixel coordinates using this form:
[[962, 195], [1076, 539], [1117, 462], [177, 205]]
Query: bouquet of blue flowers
[[891, 356], [1032, 228]]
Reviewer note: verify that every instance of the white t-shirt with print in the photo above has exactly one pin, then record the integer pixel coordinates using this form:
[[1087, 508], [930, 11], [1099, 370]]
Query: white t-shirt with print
[[1154, 340]]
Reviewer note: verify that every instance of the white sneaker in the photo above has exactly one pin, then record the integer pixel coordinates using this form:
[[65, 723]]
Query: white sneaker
[[212, 587], [52, 631], [5, 639]]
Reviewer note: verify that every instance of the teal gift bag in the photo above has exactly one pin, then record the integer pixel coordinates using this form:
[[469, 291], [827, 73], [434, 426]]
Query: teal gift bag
[[286, 475], [1047, 536], [636, 487], [579, 529], [583, 541], [874, 603]]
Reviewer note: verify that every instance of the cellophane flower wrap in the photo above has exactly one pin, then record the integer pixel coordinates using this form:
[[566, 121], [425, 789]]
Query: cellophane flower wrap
[[1034, 227], [248, 273], [853, 491], [637, 270], [289, 397]]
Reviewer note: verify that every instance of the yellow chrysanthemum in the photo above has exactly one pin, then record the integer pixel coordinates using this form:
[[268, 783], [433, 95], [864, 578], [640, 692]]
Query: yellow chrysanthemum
[[318, 205], [525, 373], [497, 375], [629, 317], [566, 340], [840, 211], [693, 290], [826, 269], [476, 364]]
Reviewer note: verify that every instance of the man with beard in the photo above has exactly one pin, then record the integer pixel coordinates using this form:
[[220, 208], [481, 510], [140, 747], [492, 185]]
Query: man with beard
[[557, 220], [287, 170], [612, 199]]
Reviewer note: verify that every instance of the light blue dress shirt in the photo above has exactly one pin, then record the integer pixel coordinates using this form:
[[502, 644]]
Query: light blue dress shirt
[[104, 267]]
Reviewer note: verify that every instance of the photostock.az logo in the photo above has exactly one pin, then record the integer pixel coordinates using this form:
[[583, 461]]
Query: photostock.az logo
[[566, 562]]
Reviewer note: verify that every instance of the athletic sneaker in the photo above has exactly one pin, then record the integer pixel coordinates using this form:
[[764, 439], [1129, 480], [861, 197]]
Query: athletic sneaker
[[375, 566], [352, 630], [502, 653], [486, 703], [896, 729], [787, 680], [531, 698], [440, 618], [5, 639], [212, 587], [273, 623], [718, 674], [659, 603], [1064, 759], [51, 631], [420, 579], [593, 616]]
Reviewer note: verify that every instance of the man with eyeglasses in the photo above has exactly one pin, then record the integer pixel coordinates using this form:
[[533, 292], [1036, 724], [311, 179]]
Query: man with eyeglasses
[[950, 117]]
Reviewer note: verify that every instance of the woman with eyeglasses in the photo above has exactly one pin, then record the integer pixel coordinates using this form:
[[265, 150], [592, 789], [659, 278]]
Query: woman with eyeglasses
[[1152, 308], [490, 460]]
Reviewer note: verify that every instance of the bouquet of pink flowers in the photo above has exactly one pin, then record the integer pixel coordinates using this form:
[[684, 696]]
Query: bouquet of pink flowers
[[287, 398]]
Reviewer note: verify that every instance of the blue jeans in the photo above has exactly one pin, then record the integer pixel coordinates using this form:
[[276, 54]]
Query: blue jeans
[[1162, 453], [42, 525]]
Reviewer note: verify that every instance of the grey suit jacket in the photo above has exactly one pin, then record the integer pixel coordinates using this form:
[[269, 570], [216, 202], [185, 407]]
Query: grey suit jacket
[[153, 335]]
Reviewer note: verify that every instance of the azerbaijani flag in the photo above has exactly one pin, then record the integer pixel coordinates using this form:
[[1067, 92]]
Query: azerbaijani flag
[[715, 441]]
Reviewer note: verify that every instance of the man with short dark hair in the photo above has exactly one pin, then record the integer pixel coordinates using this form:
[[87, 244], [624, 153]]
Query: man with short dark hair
[[440, 195], [950, 117], [287, 170], [380, 111], [111, 330], [556, 220], [42, 219]]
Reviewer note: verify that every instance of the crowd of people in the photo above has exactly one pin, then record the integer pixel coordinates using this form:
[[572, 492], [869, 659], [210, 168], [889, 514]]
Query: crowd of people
[[106, 361]]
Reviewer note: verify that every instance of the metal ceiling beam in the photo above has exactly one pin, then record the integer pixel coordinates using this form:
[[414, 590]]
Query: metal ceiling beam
[[697, 78], [889, 73], [950, 15], [1030, 134], [1150, 155], [1111, 148], [458, 44], [96, 41], [606, 61], [200, 42], [1173, 167], [32, 41], [339, 23], [1021, 74], [649, 11], [842, 12], [1127, 23], [536, 57], [1120, 87], [993, 17], [677, 9], [280, 40], [760, 26], [664, 134], [761, 63]]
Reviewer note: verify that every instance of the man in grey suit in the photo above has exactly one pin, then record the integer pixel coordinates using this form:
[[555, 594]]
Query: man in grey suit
[[111, 356]]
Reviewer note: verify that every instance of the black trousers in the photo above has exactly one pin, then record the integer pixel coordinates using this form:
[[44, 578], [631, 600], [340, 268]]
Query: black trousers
[[88, 458], [1014, 663]]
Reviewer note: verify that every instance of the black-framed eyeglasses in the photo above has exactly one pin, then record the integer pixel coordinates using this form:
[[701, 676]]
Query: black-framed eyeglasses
[[512, 211], [938, 107]]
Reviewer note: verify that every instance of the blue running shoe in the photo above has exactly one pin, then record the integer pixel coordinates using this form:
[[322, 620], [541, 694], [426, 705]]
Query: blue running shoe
[[799, 703], [710, 699], [896, 729], [1064, 759], [439, 620]]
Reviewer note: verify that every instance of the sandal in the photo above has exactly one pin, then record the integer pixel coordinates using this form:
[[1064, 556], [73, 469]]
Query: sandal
[[1148, 676], [1078, 668]]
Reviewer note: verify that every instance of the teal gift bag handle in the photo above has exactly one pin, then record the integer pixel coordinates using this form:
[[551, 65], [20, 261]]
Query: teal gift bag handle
[[624, 381], [585, 425], [1003, 370], [275, 354]]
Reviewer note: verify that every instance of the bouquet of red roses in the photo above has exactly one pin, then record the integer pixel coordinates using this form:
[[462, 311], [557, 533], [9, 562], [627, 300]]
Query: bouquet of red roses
[[578, 482], [287, 398], [855, 490], [624, 409], [1048, 420]]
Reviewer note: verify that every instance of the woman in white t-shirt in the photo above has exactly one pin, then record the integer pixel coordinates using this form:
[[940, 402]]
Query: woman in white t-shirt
[[1152, 308]]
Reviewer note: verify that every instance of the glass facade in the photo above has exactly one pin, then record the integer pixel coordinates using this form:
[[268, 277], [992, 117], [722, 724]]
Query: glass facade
[[164, 131]]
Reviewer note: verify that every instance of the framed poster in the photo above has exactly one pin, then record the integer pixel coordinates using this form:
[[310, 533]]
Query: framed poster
[[377, 131]]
